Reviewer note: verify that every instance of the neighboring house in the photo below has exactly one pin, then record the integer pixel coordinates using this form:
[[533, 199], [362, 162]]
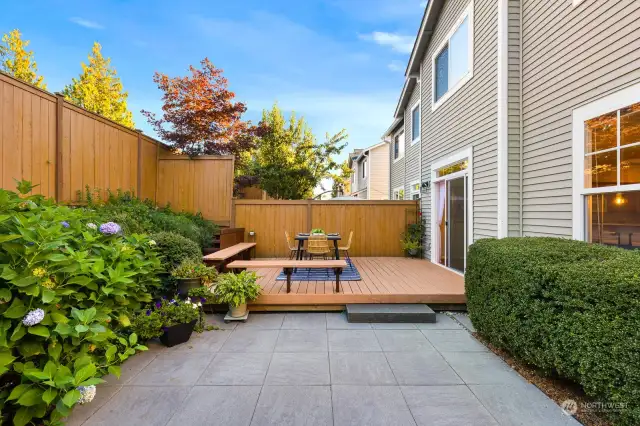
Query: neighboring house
[[528, 118], [370, 178]]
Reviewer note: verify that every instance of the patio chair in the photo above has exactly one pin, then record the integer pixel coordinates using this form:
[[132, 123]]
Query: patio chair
[[346, 248], [318, 245], [293, 246]]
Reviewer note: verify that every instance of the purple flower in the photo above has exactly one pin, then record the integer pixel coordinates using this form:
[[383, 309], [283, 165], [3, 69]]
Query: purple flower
[[148, 312], [173, 300], [158, 305], [65, 224], [165, 328], [202, 299], [110, 228]]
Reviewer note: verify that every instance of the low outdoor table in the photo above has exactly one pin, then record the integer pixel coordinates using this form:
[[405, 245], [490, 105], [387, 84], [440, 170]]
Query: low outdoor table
[[301, 238]]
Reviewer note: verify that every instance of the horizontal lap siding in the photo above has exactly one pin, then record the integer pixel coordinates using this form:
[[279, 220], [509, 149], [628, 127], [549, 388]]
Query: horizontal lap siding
[[468, 118], [379, 180], [514, 117], [571, 56], [411, 153]]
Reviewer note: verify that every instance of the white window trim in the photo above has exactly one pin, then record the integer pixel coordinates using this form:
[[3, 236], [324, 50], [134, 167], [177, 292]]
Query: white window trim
[[416, 140], [435, 104], [401, 151], [364, 169], [412, 192], [607, 104], [452, 159], [397, 189]]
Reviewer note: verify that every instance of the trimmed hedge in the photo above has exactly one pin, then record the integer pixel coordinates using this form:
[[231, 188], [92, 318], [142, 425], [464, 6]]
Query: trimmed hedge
[[174, 248], [567, 307]]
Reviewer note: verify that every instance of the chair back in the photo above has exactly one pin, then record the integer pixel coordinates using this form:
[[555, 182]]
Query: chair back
[[348, 246], [290, 241], [318, 244]]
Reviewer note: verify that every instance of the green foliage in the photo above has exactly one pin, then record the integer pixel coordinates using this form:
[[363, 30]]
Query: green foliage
[[147, 325], [237, 289], [288, 162], [342, 180], [164, 313], [174, 249], [567, 307], [98, 89], [67, 294], [413, 238], [204, 294], [195, 269], [15, 60], [317, 231]]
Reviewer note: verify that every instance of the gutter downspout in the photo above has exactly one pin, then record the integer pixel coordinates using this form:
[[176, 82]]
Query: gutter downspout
[[521, 127]]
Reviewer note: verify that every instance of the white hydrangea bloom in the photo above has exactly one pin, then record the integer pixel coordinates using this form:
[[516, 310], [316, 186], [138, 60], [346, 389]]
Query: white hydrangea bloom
[[87, 393], [33, 317], [92, 226]]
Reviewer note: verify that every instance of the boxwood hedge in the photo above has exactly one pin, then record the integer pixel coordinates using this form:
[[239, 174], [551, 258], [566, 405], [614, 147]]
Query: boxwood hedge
[[567, 307]]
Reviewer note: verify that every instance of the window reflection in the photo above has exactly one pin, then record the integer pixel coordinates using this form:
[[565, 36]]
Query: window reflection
[[601, 132], [614, 219], [630, 124]]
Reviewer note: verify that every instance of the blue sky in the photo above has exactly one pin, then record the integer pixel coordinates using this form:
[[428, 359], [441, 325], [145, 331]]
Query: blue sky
[[340, 63]]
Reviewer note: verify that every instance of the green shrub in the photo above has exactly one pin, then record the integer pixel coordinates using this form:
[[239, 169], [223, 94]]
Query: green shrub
[[165, 313], [237, 289], [195, 269], [67, 293], [174, 249], [567, 307]]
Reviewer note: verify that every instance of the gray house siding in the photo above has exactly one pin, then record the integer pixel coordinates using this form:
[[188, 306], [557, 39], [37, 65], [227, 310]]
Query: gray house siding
[[468, 118], [396, 169], [571, 56], [514, 119], [362, 182], [411, 153]]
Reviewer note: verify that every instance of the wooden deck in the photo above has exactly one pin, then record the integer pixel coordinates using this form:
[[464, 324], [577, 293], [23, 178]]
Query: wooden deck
[[384, 280]]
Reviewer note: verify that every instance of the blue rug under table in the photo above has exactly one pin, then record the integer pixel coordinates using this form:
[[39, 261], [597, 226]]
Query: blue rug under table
[[350, 273]]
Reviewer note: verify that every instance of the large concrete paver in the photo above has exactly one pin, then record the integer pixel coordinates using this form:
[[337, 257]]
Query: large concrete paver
[[426, 368], [370, 405], [236, 369], [310, 368], [293, 406], [360, 368]]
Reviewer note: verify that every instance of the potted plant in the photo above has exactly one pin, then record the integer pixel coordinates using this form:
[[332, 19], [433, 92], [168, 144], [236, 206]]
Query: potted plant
[[237, 290], [412, 239], [191, 274], [171, 320], [317, 231], [412, 247]]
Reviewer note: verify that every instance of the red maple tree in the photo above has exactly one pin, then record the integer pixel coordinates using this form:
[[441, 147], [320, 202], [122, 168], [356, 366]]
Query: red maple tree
[[199, 115]]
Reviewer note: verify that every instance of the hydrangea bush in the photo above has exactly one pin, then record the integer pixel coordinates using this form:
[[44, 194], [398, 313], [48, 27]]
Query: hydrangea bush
[[68, 288]]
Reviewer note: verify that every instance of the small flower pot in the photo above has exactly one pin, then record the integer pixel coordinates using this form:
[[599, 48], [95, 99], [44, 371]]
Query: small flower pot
[[177, 334], [186, 284], [238, 311], [413, 252]]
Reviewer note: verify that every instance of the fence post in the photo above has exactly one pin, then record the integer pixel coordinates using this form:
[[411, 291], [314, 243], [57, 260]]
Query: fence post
[[59, 136], [309, 201], [139, 183]]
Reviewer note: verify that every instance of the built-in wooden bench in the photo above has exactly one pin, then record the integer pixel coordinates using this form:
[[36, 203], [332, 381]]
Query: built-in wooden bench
[[289, 265], [220, 257]]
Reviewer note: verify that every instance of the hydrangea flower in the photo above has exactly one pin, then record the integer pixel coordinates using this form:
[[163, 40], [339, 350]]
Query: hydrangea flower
[[33, 317], [48, 284], [92, 226], [195, 306], [39, 272], [87, 393], [152, 243], [65, 224], [110, 228]]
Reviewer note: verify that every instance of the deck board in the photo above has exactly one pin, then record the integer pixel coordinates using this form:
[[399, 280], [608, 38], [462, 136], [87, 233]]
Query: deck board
[[384, 280]]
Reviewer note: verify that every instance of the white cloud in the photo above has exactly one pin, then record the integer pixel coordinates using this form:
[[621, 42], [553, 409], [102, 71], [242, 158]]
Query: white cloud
[[86, 23], [396, 66], [398, 42]]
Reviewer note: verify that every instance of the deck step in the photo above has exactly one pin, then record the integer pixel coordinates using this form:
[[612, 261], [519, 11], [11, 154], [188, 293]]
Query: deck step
[[397, 312]]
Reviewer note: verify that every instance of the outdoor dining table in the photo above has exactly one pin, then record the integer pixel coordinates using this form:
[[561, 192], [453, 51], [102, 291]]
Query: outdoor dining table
[[301, 238]]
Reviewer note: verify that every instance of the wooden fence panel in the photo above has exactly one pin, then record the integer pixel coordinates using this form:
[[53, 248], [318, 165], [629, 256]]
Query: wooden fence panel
[[377, 225], [149, 173]]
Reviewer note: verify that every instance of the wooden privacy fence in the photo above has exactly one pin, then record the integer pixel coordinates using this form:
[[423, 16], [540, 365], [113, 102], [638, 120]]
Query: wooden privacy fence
[[377, 225], [64, 149]]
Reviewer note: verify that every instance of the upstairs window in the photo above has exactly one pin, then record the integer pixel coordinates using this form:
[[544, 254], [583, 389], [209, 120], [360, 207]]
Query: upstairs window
[[398, 146], [415, 123], [453, 61], [364, 169]]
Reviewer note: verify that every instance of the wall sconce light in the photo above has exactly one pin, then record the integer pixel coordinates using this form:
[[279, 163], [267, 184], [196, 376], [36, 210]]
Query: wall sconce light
[[619, 200]]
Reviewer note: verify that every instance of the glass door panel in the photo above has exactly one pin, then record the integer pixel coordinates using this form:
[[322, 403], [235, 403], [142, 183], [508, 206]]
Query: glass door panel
[[456, 223]]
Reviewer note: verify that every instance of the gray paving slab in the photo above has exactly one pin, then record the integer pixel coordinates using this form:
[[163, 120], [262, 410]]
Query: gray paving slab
[[305, 321], [309, 368], [370, 406], [353, 341], [140, 405], [426, 368], [443, 322], [250, 340], [446, 406], [219, 405], [175, 369], [453, 341], [465, 320], [393, 326], [302, 341], [403, 340], [481, 368], [217, 320], [132, 366], [242, 368], [360, 368], [338, 321], [81, 412], [207, 342], [270, 321], [293, 406]]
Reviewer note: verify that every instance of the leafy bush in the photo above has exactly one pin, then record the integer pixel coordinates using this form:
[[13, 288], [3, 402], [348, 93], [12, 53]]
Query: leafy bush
[[568, 307], [195, 269], [174, 249], [163, 314], [237, 289], [67, 293]]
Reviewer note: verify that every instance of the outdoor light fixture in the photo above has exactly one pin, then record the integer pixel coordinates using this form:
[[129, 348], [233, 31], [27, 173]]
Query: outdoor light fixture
[[620, 200]]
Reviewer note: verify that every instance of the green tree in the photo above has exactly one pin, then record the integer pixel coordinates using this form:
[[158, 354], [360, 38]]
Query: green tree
[[342, 180], [17, 61], [99, 89], [288, 162]]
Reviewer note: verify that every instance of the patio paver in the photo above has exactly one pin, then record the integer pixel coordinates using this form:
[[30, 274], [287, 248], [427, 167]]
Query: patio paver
[[370, 405], [353, 341], [299, 369], [293, 406], [426, 368], [453, 341], [248, 340], [360, 368], [302, 341], [236, 369], [403, 341], [175, 369], [305, 321]]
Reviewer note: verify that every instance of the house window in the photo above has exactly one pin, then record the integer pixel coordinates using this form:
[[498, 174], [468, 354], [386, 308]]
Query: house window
[[608, 158], [414, 190], [398, 193], [415, 123], [364, 169], [398, 146], [453, 60]]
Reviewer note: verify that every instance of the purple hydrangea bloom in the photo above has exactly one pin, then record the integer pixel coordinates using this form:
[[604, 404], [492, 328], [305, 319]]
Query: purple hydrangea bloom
[[65, 224], [33, 317], [110, 228], [148, 312]]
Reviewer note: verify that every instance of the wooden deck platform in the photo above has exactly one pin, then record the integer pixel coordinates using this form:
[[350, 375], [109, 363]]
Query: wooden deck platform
[[384, 280]]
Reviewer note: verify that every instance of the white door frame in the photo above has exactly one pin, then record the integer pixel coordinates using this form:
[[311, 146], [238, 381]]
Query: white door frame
[[443, 162]]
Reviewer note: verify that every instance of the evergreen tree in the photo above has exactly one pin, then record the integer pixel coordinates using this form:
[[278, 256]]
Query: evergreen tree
[[98, 89], [17, 61]]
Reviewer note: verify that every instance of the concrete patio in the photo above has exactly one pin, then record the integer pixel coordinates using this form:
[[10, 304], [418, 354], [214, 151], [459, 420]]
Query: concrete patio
[[318, 369]]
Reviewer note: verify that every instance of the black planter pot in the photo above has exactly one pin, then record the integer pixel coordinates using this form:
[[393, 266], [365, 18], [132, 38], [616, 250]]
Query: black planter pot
[[186, 284], [177, 334]]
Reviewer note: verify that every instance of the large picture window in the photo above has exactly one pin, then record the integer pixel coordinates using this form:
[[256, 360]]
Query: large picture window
[[607, 162], [453, 60]]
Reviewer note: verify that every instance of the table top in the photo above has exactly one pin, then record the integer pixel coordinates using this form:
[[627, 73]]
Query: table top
[[301, 237]]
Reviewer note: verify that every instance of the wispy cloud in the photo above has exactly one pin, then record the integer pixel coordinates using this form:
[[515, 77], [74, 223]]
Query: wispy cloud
[[398, 42], [86, 23], [378, 11], [396, 66]]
